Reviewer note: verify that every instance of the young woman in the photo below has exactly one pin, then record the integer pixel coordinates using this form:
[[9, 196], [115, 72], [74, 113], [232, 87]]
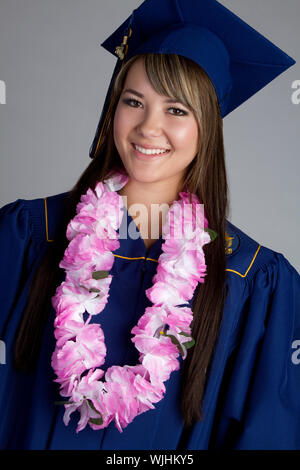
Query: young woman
[[148, 340]]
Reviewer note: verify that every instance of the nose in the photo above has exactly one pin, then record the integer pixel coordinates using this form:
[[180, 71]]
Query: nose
[[150, 124]]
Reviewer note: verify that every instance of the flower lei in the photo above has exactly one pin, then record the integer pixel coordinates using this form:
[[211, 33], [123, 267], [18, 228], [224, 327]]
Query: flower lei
[[162, 333]]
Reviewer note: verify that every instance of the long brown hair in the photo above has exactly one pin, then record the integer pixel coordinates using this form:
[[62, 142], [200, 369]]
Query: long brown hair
[[178, 77]]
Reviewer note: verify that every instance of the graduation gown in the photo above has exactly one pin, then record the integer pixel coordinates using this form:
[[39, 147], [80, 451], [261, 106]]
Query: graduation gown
[[251, 398]]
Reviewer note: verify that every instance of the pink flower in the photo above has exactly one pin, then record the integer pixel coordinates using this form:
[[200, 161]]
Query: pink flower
[[180, 318], [160, 367], [119, 381], [87, 351], [156, 346], [78, 253], [65, 308], [81, 224], [109, 214], [116, 180], [181, 263], [88, 388], [153, 318], [186, 221], [79, 298], [66, 330], [88, 250], [198, 212], [147, 393], [175, 293]]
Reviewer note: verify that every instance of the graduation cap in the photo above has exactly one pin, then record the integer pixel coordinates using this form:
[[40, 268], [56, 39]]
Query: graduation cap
[[238, 59]]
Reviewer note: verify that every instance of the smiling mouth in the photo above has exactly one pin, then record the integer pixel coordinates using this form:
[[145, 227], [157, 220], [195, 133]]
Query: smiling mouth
[[149, 152]]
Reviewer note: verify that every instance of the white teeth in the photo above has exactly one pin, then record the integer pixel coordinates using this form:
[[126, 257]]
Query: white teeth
[[150, 151]]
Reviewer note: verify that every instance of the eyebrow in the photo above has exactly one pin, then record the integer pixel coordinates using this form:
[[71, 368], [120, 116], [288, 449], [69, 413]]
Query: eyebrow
[[140, 95]]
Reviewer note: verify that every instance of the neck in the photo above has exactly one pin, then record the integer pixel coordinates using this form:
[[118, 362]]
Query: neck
[[149, 193], [148, 204]]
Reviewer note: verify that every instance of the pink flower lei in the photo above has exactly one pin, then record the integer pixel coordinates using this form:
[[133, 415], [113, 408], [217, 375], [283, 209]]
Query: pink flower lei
[[162, 333]]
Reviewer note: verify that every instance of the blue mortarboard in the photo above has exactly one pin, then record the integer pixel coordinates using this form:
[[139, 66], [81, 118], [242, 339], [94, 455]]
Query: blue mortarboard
[[238, 60]]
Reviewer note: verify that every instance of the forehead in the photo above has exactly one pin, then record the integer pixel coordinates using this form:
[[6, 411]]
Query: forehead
[[137, 82], [137, 73]]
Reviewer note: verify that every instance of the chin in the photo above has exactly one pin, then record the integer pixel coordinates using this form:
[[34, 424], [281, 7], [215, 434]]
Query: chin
[[143, 177]]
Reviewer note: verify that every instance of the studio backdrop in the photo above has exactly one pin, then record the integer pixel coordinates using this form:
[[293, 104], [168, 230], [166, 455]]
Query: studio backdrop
[[53, 78]]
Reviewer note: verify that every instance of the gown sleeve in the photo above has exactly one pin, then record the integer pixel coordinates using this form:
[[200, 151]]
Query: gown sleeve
[[20, 251], [14, 239], [260, 400]]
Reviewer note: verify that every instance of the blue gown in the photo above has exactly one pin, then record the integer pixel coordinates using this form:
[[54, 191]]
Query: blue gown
[[251, 399]]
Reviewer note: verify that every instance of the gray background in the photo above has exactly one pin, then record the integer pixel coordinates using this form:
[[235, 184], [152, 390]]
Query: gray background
[[57, 75]]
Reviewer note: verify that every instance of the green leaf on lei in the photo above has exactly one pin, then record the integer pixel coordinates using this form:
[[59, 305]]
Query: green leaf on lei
[[213, 235], [93, 289], [97, 421], [100, 274], [188, 344], [176, 342], [91, 404]]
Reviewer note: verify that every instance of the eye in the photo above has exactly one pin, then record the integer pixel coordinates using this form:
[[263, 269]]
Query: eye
[[129, 101], [183, 113]]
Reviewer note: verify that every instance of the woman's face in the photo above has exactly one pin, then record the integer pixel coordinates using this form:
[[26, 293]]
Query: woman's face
[[145, 118]]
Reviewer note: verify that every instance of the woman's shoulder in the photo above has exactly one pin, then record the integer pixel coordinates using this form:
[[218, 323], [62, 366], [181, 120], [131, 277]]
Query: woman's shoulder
[[247, 256], [33, 218]]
